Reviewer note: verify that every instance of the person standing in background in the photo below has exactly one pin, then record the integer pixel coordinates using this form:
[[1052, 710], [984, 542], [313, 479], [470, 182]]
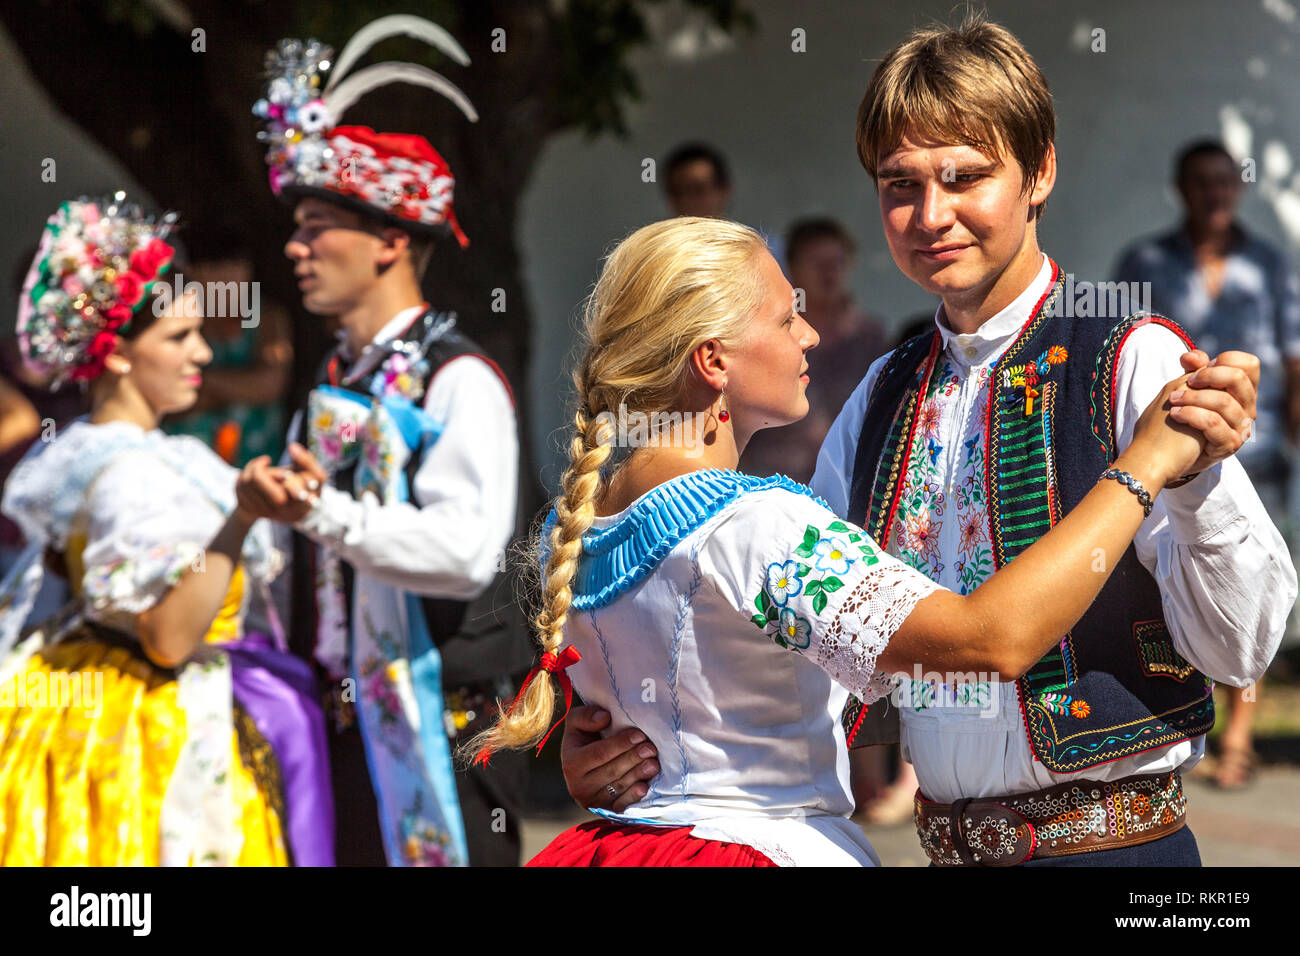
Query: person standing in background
[[240, 408], [1231, 290], [55, 408], [819, 261], [19, 422], [697, 182]]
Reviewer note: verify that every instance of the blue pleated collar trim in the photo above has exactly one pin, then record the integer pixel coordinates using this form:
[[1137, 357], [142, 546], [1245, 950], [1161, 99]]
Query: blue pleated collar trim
[[617, 557]]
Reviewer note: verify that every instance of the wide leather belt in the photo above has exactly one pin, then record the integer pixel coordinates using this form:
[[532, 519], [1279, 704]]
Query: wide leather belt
[[1066, 819]]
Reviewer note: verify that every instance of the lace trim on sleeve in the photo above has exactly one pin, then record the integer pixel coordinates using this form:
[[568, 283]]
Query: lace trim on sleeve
[[867, 618]]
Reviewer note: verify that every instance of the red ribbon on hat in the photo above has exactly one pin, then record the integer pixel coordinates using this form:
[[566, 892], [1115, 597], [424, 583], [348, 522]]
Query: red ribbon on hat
[[408, 146], [553, 664]]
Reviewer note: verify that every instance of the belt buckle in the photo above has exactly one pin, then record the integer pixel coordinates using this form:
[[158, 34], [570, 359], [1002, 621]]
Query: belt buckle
[[995, 836]]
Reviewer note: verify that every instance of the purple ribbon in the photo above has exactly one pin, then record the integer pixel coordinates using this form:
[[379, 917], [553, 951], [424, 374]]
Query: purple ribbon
[[279, 693]]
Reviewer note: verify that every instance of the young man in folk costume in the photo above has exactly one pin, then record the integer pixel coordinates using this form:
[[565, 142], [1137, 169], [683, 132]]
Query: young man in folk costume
[[964, 445], [405, 491]]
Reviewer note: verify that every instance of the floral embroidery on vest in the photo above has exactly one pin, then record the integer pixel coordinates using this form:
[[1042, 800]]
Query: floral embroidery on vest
[[379, 679], [398, 375], [423, 844], [1063, 704], [975, 549], [1027, 376], [947, 483]]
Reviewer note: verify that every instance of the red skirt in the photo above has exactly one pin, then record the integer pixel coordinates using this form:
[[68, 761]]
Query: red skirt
[[602, 843]]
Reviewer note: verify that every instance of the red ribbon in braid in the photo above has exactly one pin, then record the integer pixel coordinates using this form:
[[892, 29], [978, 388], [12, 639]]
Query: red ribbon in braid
[[553, 664]]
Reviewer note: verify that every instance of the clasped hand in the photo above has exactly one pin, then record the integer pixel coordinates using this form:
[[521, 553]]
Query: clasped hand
[[282, 494], [1217, 400]]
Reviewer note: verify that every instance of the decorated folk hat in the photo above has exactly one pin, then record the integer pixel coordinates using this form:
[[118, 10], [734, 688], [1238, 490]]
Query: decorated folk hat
[[400, 177], [95, 264]]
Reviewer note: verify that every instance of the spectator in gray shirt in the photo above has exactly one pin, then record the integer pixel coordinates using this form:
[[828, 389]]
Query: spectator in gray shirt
[[1231, 290]]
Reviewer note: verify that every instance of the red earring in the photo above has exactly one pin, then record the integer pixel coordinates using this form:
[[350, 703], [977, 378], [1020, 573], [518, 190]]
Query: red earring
[[723, 414]]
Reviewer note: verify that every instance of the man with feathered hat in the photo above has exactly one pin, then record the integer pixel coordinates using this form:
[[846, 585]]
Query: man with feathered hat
[[401, 473]]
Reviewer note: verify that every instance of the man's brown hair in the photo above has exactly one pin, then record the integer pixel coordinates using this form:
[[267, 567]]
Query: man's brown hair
[[973, 85]]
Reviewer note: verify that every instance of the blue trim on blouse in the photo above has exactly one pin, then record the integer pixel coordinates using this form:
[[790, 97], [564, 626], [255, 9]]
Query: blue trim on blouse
[[620, 556]]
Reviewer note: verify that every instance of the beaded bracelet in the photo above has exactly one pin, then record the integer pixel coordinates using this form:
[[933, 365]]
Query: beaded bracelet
[[1133, 485]]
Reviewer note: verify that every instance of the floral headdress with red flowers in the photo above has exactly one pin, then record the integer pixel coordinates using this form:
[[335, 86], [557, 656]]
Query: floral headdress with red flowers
[[94, 267], [401, 177]]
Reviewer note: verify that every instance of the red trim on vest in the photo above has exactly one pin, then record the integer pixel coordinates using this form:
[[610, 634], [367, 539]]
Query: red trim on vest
[[1114, 369], [990, 405], [493, 365], [857, 724], [907, 446]]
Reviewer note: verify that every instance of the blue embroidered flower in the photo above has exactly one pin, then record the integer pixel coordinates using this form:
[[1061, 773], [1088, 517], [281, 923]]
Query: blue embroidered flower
[[795, 631], [783, 582], [833, 554]]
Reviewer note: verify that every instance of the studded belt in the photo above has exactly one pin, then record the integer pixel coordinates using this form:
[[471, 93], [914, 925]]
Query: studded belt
[[1066, 819]]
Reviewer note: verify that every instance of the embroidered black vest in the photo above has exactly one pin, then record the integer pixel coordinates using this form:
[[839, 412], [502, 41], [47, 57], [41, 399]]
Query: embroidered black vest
[[479, 641], [1115, 685]]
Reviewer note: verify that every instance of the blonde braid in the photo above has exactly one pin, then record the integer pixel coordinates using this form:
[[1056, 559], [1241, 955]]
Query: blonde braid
[[529, 720], [668, 288]]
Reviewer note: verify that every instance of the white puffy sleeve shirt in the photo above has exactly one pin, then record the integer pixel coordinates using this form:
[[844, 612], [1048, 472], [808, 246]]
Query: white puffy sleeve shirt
[[733, 655], [449, 540]]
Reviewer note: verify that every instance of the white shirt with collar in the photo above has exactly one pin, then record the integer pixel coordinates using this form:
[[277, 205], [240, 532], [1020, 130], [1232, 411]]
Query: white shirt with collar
[[1226, 582], [449, 540]]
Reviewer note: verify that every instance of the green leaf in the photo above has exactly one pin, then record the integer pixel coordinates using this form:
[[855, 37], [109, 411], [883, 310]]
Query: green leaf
[[837, 526], [813, 589], [760, 620], [769, 606], [803, 570], [855, 537], [832, 584], [758, 599], [819, 602], [810, 538]]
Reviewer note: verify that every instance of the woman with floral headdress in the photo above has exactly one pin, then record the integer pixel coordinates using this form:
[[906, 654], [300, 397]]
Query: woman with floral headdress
[[134, 726]]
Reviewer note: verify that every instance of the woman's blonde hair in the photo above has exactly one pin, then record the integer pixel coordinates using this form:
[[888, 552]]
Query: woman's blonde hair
[[664, 291]]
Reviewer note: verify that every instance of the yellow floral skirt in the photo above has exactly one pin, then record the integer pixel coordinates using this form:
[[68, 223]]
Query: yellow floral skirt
[[84, 785]]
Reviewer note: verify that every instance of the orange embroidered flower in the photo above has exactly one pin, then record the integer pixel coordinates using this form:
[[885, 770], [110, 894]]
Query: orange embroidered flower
[[1080, 708], [1056, 355], [927, 422], [921, 535]]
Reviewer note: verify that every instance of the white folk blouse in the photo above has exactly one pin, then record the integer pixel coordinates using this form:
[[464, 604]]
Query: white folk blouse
[[728, 617], [141, 506]]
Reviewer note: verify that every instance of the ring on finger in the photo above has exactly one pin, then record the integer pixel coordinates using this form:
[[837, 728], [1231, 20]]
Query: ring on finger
[[612, 791]]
